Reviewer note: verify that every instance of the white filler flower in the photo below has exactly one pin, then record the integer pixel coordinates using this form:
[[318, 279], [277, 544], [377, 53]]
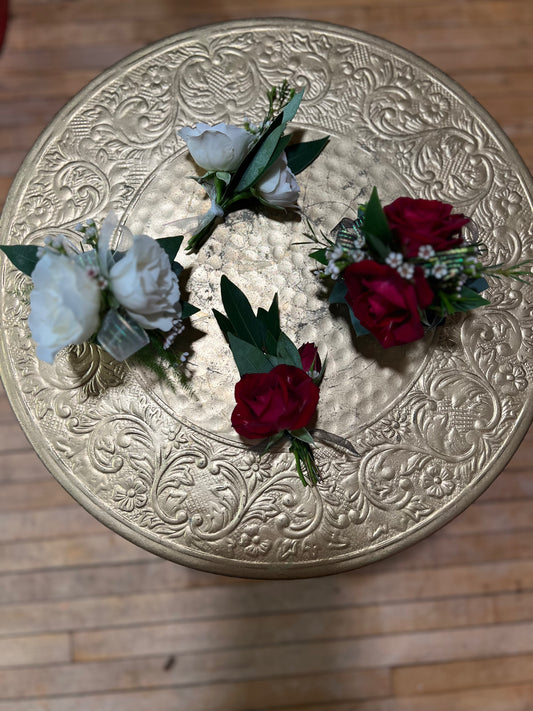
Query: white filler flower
[[145, 285], [65, 305], [222, 147], [278, 186]]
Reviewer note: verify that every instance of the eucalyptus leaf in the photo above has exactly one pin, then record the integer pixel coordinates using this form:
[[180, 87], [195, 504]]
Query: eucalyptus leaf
[[260, 160], [289, 112], [282, 145], [300, 155], [187, 310], [22, 256], [244, 323], [171, 245], [249, 358], [287, 352]]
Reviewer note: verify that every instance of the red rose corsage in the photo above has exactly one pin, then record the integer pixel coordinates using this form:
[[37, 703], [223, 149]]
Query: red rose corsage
[[278, 392], [403, 268]]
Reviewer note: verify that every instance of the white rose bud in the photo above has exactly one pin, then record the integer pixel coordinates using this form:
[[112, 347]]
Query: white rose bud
[[222, 147], [278, 186], [145, 285], [65, 305]]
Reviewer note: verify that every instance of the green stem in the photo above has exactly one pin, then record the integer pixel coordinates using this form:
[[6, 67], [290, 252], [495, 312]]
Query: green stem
[[200, 238], [239, 196], [303, 455]]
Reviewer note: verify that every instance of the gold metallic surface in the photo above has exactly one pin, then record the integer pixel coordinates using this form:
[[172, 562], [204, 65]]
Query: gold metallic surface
[[435, 422]]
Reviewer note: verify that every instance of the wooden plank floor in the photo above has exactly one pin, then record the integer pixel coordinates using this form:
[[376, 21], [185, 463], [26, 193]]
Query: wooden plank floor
[[89, 622]]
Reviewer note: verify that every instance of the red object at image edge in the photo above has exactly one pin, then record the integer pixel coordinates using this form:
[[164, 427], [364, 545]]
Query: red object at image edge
[[3, 20]]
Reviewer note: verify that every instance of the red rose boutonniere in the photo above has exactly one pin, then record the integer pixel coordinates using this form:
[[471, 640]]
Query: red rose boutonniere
[[403, 268], [278, 393]]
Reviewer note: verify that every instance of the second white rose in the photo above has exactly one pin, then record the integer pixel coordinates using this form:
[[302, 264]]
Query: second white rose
[[145, 285], [278, 186]]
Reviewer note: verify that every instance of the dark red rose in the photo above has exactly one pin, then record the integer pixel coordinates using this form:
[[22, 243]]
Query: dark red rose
[[310, 358], [267, 403], [385, 303], [418, 222]]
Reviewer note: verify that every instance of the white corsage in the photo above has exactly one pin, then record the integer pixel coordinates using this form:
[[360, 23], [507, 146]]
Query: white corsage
[[83, 290]]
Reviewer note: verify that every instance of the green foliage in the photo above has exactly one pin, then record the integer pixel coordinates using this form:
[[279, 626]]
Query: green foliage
[[171, 245], [320, 256], [466, 300], [188, 310], [262, 154], [244, 323], [257, 342], [160, 361], [22, 256], [376, 228], [248, 358], [301, 155]]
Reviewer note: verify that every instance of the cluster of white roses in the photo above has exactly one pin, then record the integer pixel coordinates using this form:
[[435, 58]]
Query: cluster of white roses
[[79, 293]]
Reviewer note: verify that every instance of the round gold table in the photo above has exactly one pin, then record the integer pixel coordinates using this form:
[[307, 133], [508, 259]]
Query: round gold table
[[433, 423]]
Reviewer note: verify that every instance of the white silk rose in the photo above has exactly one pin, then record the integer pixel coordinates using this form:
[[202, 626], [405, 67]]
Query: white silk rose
[[278, 186], [65, 305], [145, 285], [219, 148]]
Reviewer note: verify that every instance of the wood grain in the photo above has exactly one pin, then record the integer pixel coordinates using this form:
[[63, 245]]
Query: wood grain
[[89, 622]]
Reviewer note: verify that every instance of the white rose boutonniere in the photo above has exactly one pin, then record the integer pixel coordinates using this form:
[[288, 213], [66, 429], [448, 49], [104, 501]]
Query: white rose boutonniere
[[250, 163]]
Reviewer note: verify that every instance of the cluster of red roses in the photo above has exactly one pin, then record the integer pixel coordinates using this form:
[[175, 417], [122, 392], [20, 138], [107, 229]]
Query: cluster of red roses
[[386, 303]]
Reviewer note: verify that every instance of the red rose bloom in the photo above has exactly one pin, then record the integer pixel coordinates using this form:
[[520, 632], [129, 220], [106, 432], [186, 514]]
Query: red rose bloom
[[267, 403], [385, 303], [418, 222], [310, 358]]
